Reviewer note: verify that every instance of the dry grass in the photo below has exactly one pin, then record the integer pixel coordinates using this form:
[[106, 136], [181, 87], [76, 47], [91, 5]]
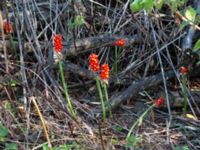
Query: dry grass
[[153, 46]]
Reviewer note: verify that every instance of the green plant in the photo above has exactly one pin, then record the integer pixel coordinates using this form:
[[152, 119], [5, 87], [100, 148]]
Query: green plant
[[77, 22], [101, 97], [65, 89], [8, 108], [183, 73], [11, 146], [95, 67], [175, 4], [137, 5], [139, 121], [116, 60], [197, 48], [134, 141], [58, 49], [181, 148], [104, 78], [71, 146], [3, 135]]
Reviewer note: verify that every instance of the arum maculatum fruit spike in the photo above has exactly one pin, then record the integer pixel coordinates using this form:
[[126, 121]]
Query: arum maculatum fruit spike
[[121, 42], [58, 43], [104, 72], [159, 102], [8, 27], [94, 62], [183, 70]]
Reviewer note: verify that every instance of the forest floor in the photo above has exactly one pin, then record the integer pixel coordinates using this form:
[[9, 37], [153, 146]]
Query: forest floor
[[153, 81]]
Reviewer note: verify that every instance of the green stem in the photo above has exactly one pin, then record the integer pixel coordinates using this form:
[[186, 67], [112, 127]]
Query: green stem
[[101, 98], [184, 93], [107, 99], [116, 60], [138, 121], [65, 89], [13, 45]]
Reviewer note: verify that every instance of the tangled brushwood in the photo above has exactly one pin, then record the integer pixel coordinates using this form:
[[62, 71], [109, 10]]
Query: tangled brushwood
[[85, 74]]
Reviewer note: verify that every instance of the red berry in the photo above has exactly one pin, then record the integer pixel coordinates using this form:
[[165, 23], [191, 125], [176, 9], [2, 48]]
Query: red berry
[[104, 72], [8, 27], [57, 43], [121, 42], [183, 70], [159, 102], [94, 62]]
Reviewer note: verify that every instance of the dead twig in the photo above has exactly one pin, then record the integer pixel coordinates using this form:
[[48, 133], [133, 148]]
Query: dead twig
[[95, 42], [4, 43], [42, 120]]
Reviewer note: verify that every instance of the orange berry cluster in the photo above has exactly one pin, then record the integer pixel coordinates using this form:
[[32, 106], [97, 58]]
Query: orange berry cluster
[[94, 62], [159, 102], [57, 43], [121, 42], [94, 66], [8, 27], [183, 70], [104, 72]]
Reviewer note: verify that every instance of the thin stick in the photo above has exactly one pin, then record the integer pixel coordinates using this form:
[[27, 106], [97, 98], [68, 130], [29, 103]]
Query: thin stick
[[185, 19], [43, 122], [4, 43]]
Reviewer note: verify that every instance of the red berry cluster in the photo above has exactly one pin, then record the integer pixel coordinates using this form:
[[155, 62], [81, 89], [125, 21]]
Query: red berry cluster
[[104, 72], [159, 102], [121, 42], [94, 62], [57, 43], [8, 27], [183, 70]]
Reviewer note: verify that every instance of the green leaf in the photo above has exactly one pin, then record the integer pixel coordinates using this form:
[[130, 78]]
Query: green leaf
[[173, 5], [159, 4], [3, 131], [75, 145], [190, 14], [133, 141], [13, 83], [45, 147], [114, 141], [65, 147], [119, 128], [130, 141], [55, 148], [79, 20], [148, 5], [196, 46], [11, 146], [198, 10], [181, 148], [71, 24], [7, 105], [198, 63], [183, 25], [136, 5]]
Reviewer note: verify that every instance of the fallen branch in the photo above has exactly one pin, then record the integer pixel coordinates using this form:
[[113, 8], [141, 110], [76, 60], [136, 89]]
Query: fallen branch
[[138, 86], [81, 45]]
